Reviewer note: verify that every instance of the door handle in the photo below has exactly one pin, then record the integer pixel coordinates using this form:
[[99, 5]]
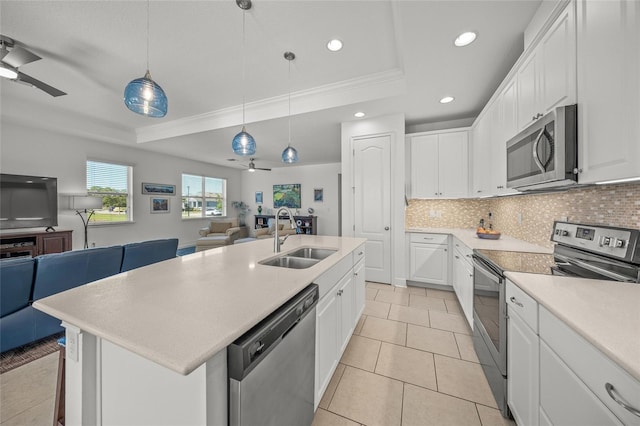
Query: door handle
[[386, 228], [536, 158]]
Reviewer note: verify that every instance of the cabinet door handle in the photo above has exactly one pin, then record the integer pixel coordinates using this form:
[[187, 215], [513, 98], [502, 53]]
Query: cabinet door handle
[[457, 257], [386, 228], [360, 254], [515, 301], [617, 398], [340, 292]]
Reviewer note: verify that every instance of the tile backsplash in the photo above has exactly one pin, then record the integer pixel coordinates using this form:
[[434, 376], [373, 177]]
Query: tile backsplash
[[530, 217]]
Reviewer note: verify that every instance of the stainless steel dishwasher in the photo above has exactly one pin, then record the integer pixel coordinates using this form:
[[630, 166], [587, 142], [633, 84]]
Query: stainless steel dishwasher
[[272, 367]]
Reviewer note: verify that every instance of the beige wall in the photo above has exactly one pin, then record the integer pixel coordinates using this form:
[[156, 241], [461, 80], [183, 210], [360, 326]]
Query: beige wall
[[615, 205]]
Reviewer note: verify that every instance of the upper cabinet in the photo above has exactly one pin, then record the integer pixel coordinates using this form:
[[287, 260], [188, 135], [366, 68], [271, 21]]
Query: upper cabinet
[[439, 164], [608, 90], [547, 76]]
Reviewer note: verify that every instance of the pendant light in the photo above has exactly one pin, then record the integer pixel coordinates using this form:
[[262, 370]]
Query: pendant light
[[143, 95], [243, 143], [289, 155]]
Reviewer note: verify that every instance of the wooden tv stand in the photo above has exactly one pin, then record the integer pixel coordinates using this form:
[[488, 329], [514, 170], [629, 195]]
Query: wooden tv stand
[[31, 244]]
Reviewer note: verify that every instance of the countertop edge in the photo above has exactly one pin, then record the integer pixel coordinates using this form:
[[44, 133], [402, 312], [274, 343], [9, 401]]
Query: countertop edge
[[185, 368], [519, 279]]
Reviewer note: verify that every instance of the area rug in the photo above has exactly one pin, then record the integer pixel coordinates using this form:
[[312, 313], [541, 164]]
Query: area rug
[[14, 358], [186, 250]]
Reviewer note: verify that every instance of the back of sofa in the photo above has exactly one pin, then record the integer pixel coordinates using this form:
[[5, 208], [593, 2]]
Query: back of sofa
[[62, 271], [136, 255], [16, 278]]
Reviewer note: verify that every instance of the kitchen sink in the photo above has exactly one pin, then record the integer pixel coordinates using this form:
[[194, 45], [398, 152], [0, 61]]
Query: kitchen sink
[[312, 253], [290, 262]]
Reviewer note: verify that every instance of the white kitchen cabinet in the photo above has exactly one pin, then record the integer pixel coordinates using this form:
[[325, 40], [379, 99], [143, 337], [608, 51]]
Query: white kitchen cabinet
[[522, 356], [429, 258], [439, 164], [499, 147], [547, 77], [462, 278], [573, 369], [480, 157], [337, 314], [608, 54], [564, 398]]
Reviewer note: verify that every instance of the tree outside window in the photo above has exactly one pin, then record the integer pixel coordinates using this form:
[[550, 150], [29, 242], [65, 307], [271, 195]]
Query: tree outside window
[[112, 183]]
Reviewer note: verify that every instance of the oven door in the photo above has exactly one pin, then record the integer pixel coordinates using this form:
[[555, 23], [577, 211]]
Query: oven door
[[490, 316]]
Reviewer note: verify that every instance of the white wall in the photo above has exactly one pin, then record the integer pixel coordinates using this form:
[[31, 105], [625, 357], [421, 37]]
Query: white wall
[[323, 176], [32, 151]]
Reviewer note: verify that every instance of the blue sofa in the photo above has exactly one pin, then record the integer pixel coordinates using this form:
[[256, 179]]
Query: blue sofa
[[23, 281]]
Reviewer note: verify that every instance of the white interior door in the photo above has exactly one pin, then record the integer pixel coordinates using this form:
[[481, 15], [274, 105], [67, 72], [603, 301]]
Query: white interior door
[[372, 198]]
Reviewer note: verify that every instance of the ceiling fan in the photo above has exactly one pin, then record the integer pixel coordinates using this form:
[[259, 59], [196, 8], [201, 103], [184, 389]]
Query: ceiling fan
[[253, 168], [13, 57]]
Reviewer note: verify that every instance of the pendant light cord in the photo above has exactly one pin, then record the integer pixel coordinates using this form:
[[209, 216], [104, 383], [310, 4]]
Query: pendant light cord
[[148, 2], [289, 144], [244, 14]]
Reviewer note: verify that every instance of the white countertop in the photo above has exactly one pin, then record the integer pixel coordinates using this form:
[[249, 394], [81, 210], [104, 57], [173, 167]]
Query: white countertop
[[180, 312], [605, 313], [471, 240]]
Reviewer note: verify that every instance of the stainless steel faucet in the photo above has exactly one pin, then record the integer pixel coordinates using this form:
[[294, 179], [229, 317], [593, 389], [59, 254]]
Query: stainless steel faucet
[[276, 240]]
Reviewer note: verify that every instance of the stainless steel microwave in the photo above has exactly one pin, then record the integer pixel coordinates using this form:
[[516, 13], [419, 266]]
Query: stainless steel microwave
[[545, 154]]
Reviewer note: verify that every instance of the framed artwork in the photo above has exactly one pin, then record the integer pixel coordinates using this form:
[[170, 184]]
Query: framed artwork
[[258, 197], [159, 205], [318, 195], [287, 195], [158, 189]]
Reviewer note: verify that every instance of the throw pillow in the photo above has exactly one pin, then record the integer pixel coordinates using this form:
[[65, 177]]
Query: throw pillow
[[219, 227]]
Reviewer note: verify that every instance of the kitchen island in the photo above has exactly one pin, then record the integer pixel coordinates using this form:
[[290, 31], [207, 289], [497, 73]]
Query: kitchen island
[[149, 346]]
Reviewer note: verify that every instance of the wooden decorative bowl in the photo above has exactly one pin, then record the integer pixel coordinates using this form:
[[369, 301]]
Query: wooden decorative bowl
[[485, 236]]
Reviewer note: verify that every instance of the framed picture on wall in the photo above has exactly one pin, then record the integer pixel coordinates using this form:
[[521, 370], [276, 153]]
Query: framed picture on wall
[[160, 205], [158, 189], [318, 195], [287, 196], [258, 197]]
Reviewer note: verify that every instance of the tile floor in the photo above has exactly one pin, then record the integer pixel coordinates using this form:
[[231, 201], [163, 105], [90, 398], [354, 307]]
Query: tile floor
[[410, 362]]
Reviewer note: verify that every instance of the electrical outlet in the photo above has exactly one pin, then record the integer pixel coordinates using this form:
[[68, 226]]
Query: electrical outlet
[[519, 217], [432, 213], [438, 213], [71, 345]]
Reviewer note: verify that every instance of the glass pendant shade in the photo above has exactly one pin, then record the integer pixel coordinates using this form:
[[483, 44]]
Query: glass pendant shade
[[290, 155], [144, 96], [243, 143]]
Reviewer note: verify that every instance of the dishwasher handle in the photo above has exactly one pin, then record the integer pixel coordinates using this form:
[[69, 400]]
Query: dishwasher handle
[[252, 347]]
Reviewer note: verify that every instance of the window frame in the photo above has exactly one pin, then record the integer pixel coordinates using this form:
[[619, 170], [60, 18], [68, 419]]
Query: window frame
[[201, 200], [129, 193]]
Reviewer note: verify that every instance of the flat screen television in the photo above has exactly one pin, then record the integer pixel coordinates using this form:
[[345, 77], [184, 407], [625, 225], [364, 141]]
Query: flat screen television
[[28, 201]]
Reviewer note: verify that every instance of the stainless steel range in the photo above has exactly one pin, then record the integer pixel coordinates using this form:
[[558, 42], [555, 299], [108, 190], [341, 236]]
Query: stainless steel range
[[587, 251]]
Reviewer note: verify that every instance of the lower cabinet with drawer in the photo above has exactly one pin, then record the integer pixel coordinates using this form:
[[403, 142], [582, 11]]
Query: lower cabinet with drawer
[[342, 299], [462, 278], [522, 356], [578, 383], [556, 377], [429, 258]]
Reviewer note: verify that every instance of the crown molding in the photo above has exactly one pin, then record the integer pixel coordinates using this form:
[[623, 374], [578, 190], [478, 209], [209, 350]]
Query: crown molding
[[374, 86]]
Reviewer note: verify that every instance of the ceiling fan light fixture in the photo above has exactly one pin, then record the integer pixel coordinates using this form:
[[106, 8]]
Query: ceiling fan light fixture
[[290, 155], [7, 71], [243, 143], [144, 96]]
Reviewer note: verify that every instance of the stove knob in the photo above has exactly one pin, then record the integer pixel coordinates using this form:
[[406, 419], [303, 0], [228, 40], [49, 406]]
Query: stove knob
[[620, 244], [606, 241], [557, 232], [565, 233]]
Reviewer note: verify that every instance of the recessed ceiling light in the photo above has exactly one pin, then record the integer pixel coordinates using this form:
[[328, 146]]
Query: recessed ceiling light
[[334, 45], [359, 114], [465, 39], [447, 99]]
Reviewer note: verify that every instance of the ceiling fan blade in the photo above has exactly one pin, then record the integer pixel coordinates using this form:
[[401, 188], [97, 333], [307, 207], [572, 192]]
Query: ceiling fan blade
[[259, 168], [40, 85], [19, 56]]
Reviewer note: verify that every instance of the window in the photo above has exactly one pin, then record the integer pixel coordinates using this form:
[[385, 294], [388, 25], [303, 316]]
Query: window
[[203, 196], [112, 183]]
